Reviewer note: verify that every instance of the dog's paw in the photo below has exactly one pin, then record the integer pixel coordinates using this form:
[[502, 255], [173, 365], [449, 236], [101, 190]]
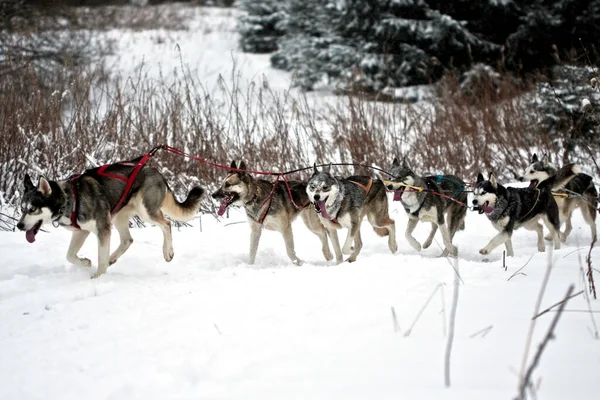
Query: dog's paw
[[351, 259], [416, 245], [484, 251], [393, 247], [541, 247], [563, 237], [297, 262], [98, 274], [85, 262], [549, 238], [347, 249], [327, 254], [427, 244], [168, 253]]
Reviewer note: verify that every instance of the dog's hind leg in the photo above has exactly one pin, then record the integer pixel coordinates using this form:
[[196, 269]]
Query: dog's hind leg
[[103, 248], [352, 232], [588, 210], [165, 225], [500, 238], [384, 223], [553, 225], [121, 223], [534, 225], [255, 232], [432, 233], [410, 227], [77, 240]]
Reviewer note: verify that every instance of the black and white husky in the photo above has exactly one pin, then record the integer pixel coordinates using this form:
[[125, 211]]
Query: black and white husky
[[510, 208], [580, 193]]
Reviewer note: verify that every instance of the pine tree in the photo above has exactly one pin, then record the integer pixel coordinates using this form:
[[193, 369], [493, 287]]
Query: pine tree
[[261, 26]]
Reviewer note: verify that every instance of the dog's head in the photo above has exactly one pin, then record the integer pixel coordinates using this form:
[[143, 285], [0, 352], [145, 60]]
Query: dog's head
[[538, 171], [234, 189], [36, 207], [485, 194], [402, 175], [322, 186]]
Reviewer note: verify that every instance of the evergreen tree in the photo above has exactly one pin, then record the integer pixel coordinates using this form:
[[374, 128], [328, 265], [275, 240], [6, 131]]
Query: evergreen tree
[[261, 26]]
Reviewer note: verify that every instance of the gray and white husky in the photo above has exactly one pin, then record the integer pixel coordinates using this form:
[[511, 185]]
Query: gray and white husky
[[83, 204], [270, 207], [428, 205], [580, 193], [510, 208], [343, 203]]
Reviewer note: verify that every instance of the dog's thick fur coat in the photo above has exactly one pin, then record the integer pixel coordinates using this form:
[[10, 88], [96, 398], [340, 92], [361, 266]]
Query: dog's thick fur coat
[[95, 197], [270, 207]]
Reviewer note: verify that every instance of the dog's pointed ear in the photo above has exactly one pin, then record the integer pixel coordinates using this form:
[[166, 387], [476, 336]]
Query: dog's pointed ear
[[44, 187], [480, 177], [328, 168], [395, 163], [493, 180], [404, 163], [545, 160], [28, 184], [242, 166], [233, 165], [315, 169], [534, 159]]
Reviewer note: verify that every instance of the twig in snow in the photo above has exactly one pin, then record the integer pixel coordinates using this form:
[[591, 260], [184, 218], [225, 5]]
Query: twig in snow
[[217, 328], [536, 311], [518, 272], [574, 251], [395, 321], [590, 273], [526, 381], [408, 332], [585, 273], [451, 323], [483, 332], [449, 262], [557, 304], [443, 296], [504, 260]]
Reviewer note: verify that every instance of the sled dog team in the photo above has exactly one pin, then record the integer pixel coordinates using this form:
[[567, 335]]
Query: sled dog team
[[95, 200]]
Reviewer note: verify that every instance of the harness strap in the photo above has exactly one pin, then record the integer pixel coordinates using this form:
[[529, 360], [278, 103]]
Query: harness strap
[[74, 210], [366, 187], [537, 198]]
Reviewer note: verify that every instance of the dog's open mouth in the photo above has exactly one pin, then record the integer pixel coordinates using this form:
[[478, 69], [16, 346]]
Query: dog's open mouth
[[533, 183], [485, 208], [321, 208], [398, 193], [30, 234], [226, 202]]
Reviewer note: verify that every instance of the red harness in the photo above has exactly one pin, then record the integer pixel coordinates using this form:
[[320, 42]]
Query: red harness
[[101, 172]]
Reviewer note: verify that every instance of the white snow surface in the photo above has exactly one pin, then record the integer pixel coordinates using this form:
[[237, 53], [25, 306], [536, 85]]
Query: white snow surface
[[210, 326]]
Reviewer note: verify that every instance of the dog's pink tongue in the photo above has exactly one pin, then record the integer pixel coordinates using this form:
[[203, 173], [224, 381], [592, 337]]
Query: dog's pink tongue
[[323, 208], [223, 206], [487, 209], [532, 184], [30, 235], [398, 195]]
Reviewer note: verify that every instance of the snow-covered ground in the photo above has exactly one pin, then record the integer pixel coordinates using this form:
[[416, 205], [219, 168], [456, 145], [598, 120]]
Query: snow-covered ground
[[210, 326]]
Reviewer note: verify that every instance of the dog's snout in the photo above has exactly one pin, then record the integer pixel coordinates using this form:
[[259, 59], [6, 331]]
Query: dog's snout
[[317, 197], [475, 201], [215, 195], [390, 187], [21, 226]]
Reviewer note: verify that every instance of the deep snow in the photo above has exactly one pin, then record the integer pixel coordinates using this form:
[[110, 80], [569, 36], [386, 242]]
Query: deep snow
[[208, 325]]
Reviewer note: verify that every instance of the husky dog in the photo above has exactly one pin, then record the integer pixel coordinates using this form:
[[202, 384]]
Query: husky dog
[[343, 203], [585, 194], [84, 203], [427, 206], [510, 208], [270, 207]]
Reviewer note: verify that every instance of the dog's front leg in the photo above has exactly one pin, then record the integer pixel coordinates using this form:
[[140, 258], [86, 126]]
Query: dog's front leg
[[288, 237], [432, 233], [410, 227], [77, 239], [103, 250], [357, 246], [450, 249], [496, 241], [255, 232], [335, 241]]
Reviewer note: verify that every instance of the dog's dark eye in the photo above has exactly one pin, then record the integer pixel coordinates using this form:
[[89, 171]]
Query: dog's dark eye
[[32, 209], [227, 184], [325, 188]]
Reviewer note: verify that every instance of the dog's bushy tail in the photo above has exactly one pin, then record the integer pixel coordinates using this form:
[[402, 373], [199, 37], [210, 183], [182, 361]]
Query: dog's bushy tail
[[182, 211], [561, 178]]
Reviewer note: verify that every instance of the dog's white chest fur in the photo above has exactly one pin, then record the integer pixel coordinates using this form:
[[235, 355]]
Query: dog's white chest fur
[[501, 223], [411, 202]]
